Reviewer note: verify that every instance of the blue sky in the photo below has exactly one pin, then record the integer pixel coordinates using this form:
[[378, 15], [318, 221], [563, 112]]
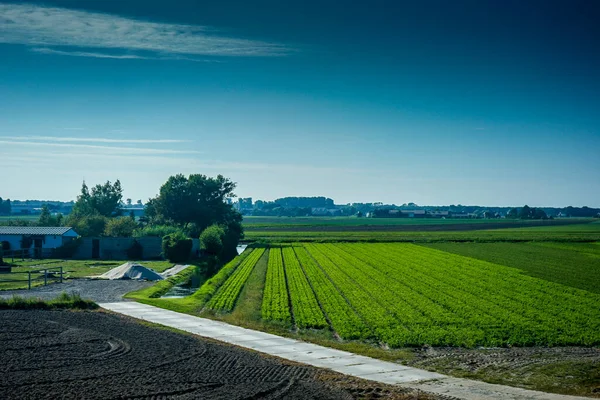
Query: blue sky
[[433, 102]]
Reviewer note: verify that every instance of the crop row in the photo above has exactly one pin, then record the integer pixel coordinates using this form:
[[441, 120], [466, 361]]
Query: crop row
[[225, 298], [275, 304], [423, 296], [307, 313]]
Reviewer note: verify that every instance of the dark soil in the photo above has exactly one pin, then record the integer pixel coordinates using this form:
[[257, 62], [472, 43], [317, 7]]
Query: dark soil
[[96, 355], [98, 290]]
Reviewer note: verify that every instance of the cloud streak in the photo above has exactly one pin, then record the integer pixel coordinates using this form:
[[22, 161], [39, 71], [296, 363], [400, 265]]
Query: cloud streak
[[41, 27], [111, 149], [45, 50], [92, 140]]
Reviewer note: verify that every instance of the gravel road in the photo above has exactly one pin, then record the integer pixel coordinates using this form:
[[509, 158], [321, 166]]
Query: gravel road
[[98, 290]]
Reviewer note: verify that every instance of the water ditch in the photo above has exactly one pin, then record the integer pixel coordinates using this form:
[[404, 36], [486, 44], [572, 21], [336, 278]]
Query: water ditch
[[189, 287]]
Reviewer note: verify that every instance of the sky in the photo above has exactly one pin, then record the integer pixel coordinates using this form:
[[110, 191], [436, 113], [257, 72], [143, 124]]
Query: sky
[[433, 102]]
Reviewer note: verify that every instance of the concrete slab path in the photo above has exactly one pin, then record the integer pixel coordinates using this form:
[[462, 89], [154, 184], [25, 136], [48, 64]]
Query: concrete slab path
[[324, 357]]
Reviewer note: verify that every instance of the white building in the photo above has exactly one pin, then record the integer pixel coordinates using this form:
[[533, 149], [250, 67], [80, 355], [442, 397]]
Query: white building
[[14, 238]]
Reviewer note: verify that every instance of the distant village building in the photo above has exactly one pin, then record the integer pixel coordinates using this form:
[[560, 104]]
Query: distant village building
[[413, 213]]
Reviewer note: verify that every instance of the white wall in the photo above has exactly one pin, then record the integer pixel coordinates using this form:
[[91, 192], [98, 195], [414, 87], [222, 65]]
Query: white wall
[[14, 240], [49, 242]]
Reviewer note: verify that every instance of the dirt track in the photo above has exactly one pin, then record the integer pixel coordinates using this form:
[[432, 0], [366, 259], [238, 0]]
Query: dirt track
[[95, 355]]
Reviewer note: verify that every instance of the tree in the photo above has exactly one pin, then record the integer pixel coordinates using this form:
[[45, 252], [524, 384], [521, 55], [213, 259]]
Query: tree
[[88, 225], [5, 207], [512, 213], [102, 200], [177, 247], [120, 227], [197, 199], [45, 216], [47, 219], [525, 212], [211, 240]]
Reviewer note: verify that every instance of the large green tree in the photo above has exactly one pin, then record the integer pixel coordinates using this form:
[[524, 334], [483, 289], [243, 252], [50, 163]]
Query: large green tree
[[104, 200], [196, 199], [197, 202]]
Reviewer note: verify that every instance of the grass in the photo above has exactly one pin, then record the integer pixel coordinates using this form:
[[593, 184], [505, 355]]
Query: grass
[[572, 264], [72, 269], [62, 302], [577, 378]]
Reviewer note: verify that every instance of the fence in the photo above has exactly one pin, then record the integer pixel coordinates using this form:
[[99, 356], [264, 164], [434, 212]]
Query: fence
[[25, 254], [30, 278]]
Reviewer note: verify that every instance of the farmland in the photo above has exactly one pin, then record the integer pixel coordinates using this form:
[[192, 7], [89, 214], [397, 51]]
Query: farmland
[[365, 230], [403, 295], [395, 300]]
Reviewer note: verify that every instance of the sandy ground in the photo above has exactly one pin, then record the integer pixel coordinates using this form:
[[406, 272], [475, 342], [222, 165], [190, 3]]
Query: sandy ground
[[97, 355]]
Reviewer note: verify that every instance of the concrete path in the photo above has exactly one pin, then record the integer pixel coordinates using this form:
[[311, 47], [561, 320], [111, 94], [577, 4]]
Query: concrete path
[[324, 357]]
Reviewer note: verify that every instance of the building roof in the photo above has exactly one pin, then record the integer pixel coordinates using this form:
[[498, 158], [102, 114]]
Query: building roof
[[34, 230]]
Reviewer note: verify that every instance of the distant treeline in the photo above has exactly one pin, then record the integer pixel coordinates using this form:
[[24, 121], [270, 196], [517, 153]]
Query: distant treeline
[[5, 206]]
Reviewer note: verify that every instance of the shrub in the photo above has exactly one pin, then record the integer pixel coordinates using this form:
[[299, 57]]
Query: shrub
[[156, 230], [120, 227], [68, 249], [176, 247], [87, 226], [211, 240], [135, 251]]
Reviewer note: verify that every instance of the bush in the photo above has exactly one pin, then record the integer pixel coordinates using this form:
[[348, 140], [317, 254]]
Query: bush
[[176, 247], [87, 226], [211, 240], [120, 227], [68, 249], [135, 251], [156, 230]]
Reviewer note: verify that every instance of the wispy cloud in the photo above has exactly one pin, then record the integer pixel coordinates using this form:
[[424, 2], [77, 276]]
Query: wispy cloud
[[91, 140], [111, 149], [41, 27], [45, 50]]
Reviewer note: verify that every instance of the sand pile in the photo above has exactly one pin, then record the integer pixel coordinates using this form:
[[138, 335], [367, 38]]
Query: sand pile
[[132, 270]]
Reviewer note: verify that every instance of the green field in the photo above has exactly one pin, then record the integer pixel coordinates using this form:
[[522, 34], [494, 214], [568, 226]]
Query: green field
[[5, 218], [404, 295], [579, 232], [391, 300], [572, 264]]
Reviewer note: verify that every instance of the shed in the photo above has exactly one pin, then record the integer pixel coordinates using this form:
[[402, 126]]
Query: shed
[[40, 238]]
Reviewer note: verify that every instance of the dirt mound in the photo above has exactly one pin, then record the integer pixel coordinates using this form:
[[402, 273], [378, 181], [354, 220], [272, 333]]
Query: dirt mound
[[132, 271]]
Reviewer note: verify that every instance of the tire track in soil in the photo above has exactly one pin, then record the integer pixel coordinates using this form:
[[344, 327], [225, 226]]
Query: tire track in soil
[[60, 354]]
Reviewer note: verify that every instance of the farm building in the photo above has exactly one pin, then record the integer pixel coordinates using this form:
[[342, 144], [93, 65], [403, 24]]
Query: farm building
[[39, 238]]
